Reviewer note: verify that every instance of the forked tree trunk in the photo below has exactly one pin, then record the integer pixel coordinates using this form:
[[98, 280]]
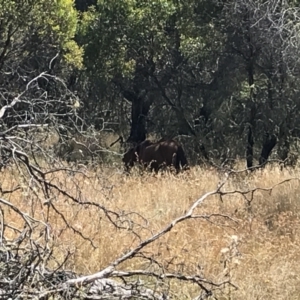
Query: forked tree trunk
[[139, 112], [140, 106]]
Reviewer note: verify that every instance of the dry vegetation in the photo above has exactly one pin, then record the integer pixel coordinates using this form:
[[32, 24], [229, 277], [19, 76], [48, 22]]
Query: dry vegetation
[[253, 242]]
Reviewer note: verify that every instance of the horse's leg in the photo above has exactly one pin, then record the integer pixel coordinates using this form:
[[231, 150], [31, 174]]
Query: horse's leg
[[154, 166]]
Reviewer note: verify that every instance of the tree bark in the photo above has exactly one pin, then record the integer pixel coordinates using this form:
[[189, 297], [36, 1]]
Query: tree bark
[[139, 112]]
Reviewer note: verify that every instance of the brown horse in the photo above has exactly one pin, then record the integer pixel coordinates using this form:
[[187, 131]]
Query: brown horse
[[156, 155]]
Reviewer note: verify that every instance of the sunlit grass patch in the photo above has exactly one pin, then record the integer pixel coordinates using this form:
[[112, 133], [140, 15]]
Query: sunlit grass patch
[[265, 222]]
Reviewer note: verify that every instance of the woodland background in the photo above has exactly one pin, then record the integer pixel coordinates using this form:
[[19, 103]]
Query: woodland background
[[222, 75], [81, 81]]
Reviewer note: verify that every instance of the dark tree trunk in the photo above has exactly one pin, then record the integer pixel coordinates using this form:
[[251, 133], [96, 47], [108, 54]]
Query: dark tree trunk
[[250, 140], [284, 139], [249, 151], [250, 56], [203, 151], [268, 145], [139, 112], [140, 94], [140, 105]]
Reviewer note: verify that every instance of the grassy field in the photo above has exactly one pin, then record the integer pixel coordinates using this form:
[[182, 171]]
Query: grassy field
[[253, 241]]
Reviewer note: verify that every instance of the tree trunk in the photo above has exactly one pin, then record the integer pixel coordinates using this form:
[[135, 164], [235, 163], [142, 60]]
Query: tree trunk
[[140, 95], [252, 107], [249, 151], [139, 112], [268, 145]]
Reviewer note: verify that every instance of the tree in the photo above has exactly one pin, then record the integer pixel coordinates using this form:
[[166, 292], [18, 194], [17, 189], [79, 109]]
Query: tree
[[140, 60], [262, 37], [210, 70], [35, 35]]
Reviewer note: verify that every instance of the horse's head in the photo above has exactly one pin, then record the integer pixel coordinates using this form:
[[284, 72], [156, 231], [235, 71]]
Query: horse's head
[[129, 158]]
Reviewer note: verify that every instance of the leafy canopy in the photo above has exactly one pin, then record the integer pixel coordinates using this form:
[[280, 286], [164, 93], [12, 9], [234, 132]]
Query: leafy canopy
[[53, 23]]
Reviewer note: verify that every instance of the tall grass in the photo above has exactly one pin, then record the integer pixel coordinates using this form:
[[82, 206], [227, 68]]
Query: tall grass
[[254, 242]]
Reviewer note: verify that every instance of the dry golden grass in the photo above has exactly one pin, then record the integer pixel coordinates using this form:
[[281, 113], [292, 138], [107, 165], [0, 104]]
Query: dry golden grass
[[264, 265]]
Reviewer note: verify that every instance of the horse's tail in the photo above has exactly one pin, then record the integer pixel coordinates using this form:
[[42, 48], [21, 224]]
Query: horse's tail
[[181, 158]]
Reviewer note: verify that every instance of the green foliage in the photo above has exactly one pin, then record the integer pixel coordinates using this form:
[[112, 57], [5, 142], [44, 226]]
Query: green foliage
[[118, 34], [40, 22], [100, 33], [198, 26], [65, 23]]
